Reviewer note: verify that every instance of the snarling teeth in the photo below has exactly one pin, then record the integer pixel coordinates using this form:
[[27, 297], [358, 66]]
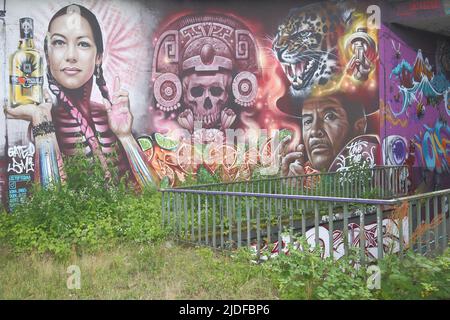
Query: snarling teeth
[[297, 72], [208, 120]]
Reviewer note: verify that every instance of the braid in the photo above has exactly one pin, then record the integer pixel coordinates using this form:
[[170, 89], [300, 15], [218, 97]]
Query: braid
[[86, 130], [101, 83]]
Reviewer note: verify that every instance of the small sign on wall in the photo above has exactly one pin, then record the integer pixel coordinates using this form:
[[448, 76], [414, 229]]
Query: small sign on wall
[[20, 173]]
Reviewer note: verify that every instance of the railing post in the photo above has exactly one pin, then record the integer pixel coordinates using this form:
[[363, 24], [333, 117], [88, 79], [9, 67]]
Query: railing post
[[247, 208], [221, 223], [186, 224], [192, 218], [303, 218], [400, 234], [436, 222], [362, 237], [330, 228], [427, 221], [444, 220], [199, 220], [419, 227], [163, 208], [280, 227], [410, 225], [239, 221], [180, 217], [206, 219], [379, 232], [214, 222], [345, 228], [316, 225], [258, 232], [168, 208], [269, 219]]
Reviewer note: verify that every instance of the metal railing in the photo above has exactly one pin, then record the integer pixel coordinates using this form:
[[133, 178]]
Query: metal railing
[[381, 182], [267, 220]]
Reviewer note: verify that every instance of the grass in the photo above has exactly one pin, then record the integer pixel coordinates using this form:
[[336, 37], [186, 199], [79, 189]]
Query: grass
[[163, 271]]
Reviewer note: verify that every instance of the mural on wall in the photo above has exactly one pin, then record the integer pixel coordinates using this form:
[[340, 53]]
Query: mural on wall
[[417, 111], [391, 240], [185, 95], [77, 107], [219, 111], [330, 57]]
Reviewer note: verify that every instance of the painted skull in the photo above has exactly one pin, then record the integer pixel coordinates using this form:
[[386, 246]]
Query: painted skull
[[26, 27], [206, 95]]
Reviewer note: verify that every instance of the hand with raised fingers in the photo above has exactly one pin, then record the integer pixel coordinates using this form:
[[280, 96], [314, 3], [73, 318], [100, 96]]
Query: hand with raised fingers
[[119, 116]]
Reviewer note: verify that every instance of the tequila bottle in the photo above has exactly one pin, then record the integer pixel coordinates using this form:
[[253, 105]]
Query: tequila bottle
[[26, 69]]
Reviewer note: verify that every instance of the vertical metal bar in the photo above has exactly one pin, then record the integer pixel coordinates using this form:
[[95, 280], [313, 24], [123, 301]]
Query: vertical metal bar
[[436, 222], [180, 216], [186, 224], [419, 226], [280, 226], [247, 208], [206, 219], [410, 224], [163, 207], [221, 222], [345, 228], [192, 218], [302, 186], [258, 231], [400, 234], [269, 222], [379, 232], [444, 220], [303, 219], [175, 214], [427, 221], [362, 237], [239, 220], [264, 202], [214, 221], [316, 224], [230, 233], [199, 221], [291, 219], [330, 228], [168, 208]]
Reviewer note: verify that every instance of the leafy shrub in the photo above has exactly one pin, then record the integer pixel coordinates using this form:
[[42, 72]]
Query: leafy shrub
[[415, 277], [85, 213], [304, 274]]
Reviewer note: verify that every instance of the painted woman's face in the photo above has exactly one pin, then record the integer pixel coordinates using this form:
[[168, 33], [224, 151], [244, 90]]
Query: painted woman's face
[[72, 51]]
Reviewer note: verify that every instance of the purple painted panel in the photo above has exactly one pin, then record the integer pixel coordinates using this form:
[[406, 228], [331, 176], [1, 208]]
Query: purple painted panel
[[415, 129]]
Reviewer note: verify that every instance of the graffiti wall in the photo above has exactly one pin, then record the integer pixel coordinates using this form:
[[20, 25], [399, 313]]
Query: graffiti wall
[[194, 92], [416, 130]]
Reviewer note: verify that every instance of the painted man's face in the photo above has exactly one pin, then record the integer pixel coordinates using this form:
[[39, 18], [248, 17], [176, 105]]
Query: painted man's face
[[325, 129]]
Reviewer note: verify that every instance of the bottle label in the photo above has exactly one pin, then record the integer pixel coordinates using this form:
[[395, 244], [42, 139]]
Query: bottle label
[[27, 82]]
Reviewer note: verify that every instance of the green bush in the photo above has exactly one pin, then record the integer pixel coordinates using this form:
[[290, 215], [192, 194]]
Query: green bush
[[304, 274], [415, 277], [86, 213]]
